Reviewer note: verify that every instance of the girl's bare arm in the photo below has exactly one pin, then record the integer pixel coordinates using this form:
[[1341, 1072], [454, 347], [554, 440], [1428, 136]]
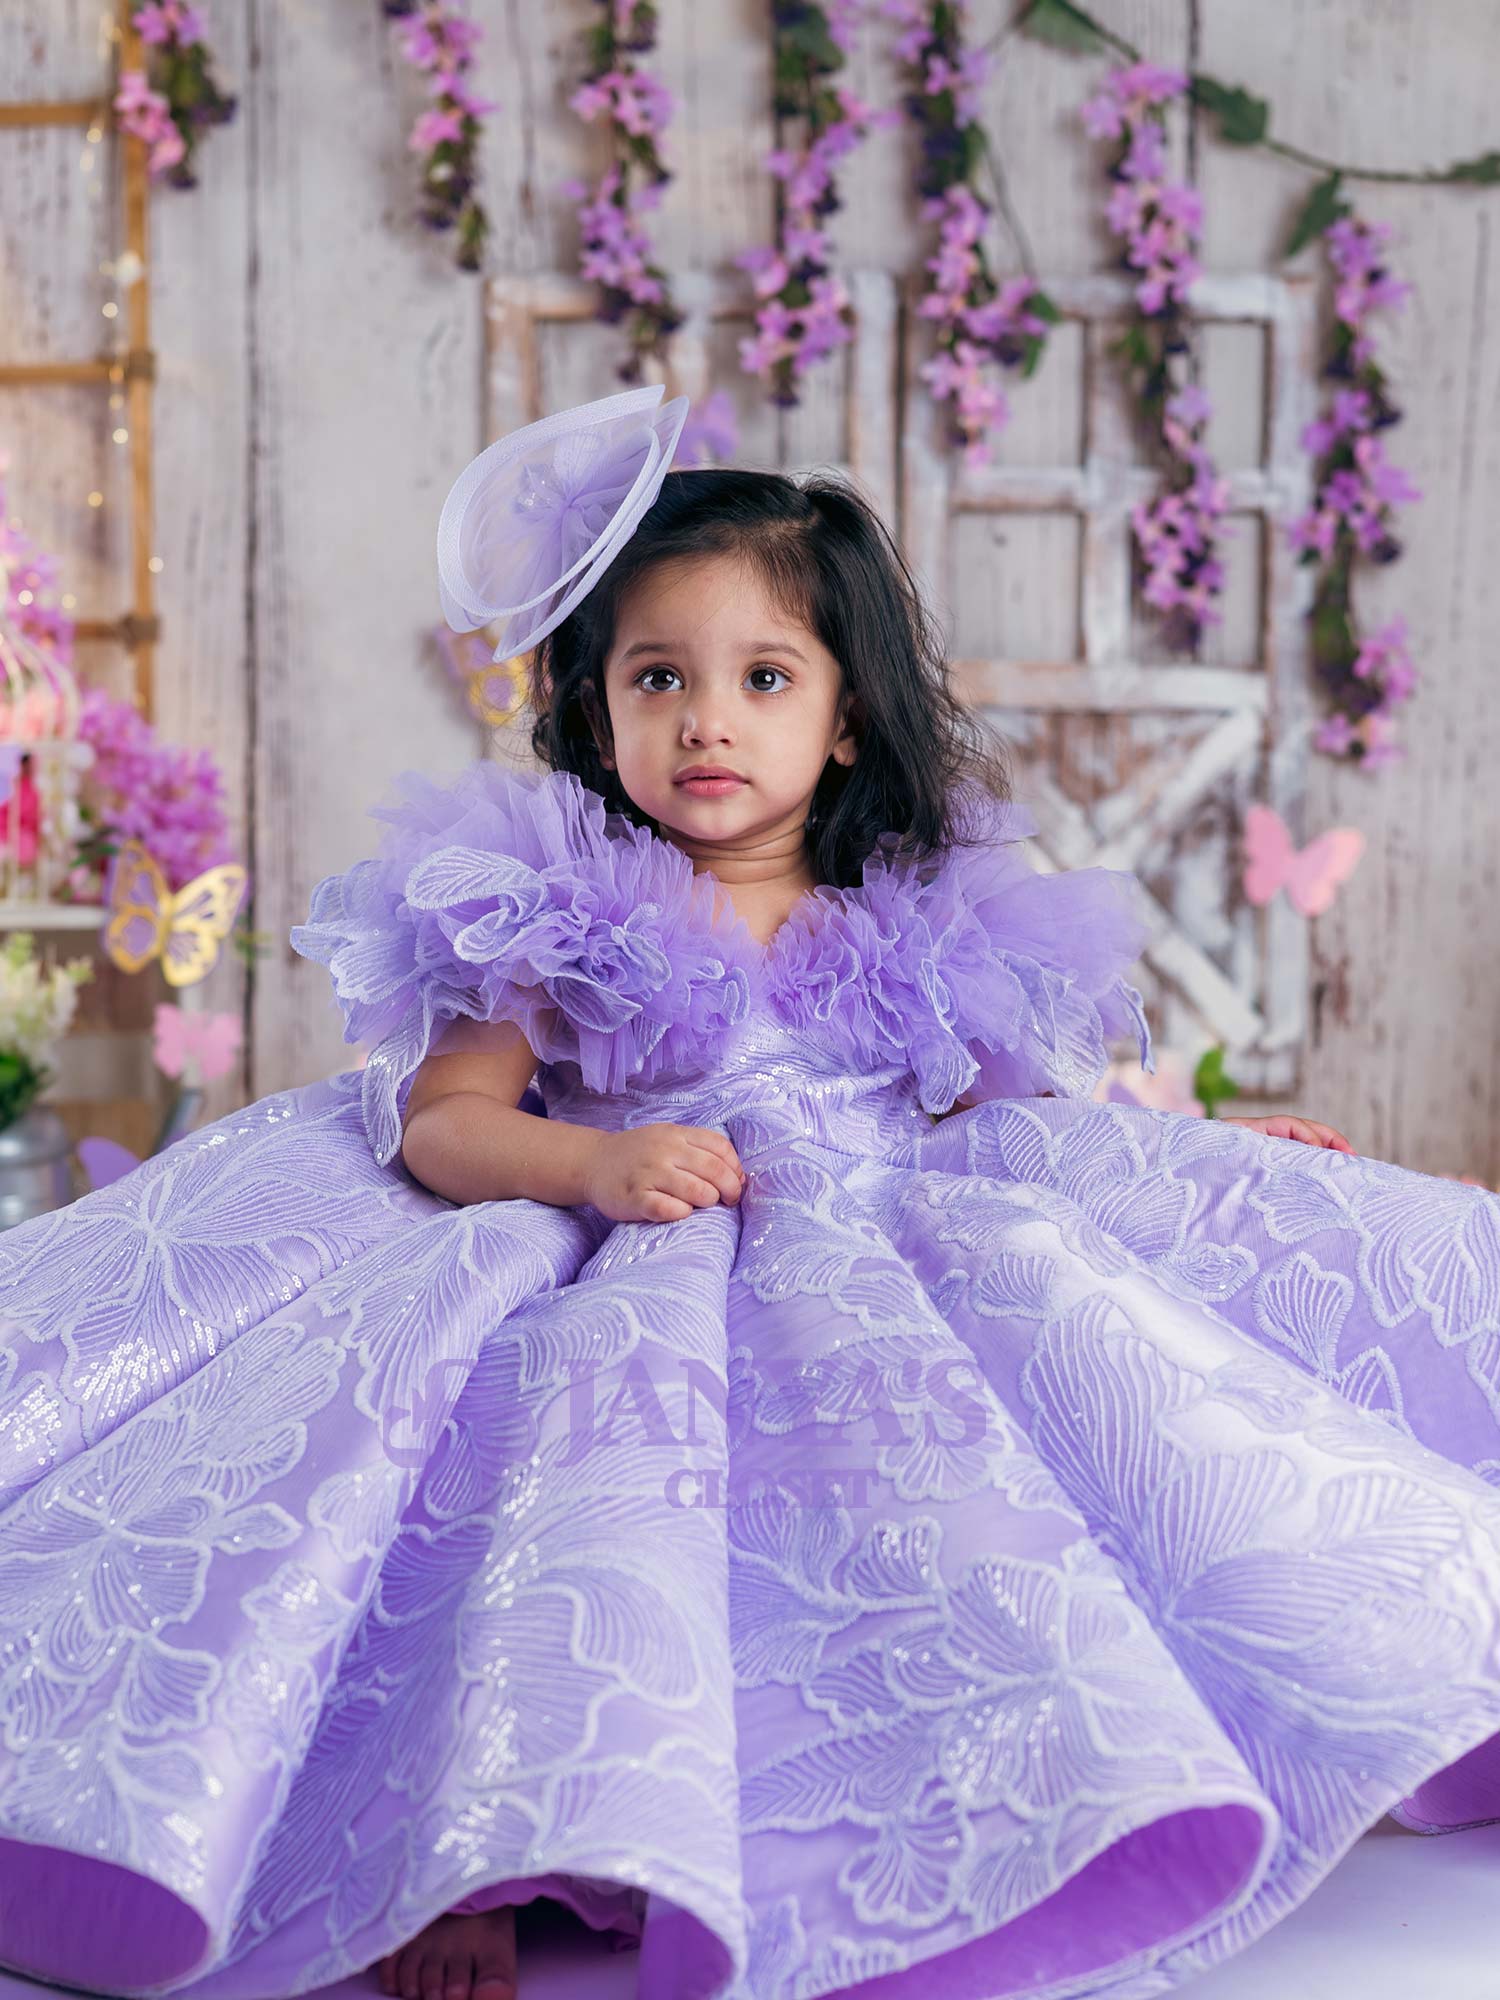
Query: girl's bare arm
[[465, 1137]]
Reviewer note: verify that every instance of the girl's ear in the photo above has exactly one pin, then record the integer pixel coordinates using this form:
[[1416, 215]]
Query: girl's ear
[[850, 724]]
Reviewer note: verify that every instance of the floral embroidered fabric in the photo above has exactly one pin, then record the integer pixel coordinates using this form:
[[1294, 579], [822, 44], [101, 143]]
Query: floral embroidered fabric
[[1012, 1555]]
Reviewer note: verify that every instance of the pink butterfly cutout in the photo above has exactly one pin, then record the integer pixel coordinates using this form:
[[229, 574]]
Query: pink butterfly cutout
[[1311, 875], [209, 1042]]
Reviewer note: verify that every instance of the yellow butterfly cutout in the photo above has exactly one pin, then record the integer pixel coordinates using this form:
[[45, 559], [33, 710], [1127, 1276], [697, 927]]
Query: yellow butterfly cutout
[[497, 692], [184, 927]]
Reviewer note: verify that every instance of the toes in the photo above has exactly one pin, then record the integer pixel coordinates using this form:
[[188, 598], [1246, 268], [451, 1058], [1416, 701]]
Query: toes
[[411, 1975], [432, 1977], [495, 1958], [460, 1978]]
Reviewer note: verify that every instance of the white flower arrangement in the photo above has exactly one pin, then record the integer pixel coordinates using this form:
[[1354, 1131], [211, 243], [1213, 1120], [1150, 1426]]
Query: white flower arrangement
[[37, 1004]]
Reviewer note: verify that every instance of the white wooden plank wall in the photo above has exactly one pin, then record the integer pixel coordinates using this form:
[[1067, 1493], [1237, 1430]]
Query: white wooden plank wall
[[321, 380]]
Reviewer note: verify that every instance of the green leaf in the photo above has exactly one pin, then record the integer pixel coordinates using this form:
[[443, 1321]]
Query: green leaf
[[1243, 120], [1211, 1086], [1063, 26], [811, 43], [1482, 172], [1132, 348], [21, 1082], [1322, 208], [1043, 308], [1333, 641]]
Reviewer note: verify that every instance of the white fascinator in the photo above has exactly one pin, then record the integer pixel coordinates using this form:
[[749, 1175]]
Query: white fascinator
[[533, 522]]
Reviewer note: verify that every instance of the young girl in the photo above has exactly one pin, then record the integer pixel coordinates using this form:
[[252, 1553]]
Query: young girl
[[816, 1494]]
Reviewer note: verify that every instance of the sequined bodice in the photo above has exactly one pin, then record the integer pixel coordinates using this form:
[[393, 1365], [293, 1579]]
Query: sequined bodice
[[771, 1083]]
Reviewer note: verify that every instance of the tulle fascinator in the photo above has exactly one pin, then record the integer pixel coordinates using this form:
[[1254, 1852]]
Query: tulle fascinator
[[533, 522]]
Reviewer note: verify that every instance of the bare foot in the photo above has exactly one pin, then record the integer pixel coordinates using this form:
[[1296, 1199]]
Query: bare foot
[[456, 1958]]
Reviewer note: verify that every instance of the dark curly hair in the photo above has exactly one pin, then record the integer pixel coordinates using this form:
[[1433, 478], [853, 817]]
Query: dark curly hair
[[827, 559]]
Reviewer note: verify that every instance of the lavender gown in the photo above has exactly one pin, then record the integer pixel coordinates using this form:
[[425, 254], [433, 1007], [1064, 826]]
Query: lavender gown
[[1016, 1554]]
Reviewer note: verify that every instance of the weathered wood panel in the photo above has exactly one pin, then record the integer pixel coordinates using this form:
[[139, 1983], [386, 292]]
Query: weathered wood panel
[[361, 345], [1407, 964]]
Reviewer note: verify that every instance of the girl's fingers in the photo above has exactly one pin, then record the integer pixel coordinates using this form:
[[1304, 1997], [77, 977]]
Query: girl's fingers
[[1305, 1131], [684, 1185], [1334, 1140], [726, 1175], [1312, 1133], [716, 1142]]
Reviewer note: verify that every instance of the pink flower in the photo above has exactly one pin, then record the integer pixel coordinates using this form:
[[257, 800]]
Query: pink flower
[[435, 128], [147, 116], [1388, 483], [769, 270], [1103, 117], [170, 799], [710, 432], [1336, 735], [169, 22], [591, 100]]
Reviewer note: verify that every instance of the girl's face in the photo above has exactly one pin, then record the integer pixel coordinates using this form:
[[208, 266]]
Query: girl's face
[[705, 669]]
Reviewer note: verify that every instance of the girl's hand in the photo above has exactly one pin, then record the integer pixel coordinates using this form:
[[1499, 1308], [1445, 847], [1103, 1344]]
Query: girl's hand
[[1307, 1130], [660, 1173]]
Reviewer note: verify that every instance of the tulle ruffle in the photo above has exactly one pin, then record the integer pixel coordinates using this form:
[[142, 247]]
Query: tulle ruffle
[[517, 896], [979, 970]]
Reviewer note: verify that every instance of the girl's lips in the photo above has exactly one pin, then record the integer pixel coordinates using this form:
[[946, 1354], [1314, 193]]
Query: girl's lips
[[708, 787]]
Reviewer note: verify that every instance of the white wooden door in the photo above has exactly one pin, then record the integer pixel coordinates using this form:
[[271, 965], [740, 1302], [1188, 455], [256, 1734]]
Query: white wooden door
[[1130, 758]]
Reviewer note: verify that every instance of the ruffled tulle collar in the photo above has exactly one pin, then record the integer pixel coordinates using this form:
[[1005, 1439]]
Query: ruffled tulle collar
[[520, 896], [771, 963]]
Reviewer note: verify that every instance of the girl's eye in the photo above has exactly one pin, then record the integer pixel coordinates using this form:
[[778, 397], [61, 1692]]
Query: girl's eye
[[646, 673]]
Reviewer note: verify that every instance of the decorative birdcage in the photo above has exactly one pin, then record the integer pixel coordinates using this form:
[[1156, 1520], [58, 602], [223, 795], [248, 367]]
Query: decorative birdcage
[[42, 760]]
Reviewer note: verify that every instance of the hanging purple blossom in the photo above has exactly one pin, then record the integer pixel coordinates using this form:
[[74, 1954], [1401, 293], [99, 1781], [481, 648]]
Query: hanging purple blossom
[[1157, 221], [635, 108], [1353, 514], [140, 788], [803, 311], [28, 584], [710, 433], [439, 40], [175, 99], [979, 324]]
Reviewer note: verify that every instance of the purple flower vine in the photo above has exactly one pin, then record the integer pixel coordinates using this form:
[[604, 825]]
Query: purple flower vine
[[175, 98], [978, 322], [1157, 221], [803, 311], [438, 39], [1365, 677], [636, 108]]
